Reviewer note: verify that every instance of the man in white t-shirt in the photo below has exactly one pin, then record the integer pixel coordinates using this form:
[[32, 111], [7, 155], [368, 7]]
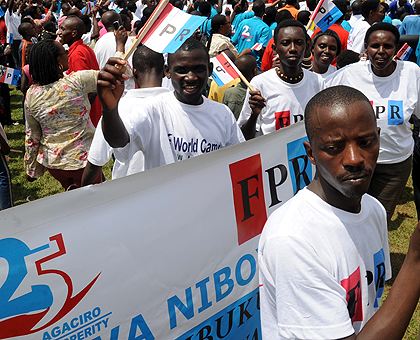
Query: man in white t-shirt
[[324, 255], [148, 72], [281, 93], [372, 12], [13, 19], [170, 127], [105, 47]]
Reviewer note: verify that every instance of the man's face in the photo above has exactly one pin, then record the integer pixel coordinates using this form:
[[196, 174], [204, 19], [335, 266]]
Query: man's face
[[189, 71], [402, 2], [291, 45], [66, 32], [348, 13], [344, 148]]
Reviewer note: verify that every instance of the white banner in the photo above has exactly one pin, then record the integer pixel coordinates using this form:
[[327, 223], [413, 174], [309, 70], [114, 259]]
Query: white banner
[[169, 253]]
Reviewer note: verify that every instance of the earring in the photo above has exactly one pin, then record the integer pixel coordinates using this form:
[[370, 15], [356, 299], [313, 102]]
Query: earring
[[60, 67]]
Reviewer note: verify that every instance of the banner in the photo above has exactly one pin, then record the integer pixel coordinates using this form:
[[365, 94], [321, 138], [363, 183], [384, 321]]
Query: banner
[[170, 253]]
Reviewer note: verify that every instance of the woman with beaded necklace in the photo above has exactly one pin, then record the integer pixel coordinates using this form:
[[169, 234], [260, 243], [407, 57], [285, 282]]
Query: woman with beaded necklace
[[281, 93]]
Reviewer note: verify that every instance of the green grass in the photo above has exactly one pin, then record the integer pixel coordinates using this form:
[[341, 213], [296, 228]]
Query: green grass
[[400, 229], [23, 190]]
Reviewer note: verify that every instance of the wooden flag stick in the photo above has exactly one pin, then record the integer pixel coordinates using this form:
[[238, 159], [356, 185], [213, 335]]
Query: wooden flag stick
[[146, 28], [246, 82], [313, 15]]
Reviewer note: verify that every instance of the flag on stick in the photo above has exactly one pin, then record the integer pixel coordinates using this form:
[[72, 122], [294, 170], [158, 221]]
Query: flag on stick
[[404, 52], [325, 14], [166, 29], [9, 75], [224, 71]]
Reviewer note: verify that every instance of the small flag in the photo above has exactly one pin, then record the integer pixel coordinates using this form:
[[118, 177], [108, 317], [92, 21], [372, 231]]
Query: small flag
[[404, 52], [1, 13], [327, 14], [224, 70], [257, 47], [171, 29], [9, 38], [9, 75]]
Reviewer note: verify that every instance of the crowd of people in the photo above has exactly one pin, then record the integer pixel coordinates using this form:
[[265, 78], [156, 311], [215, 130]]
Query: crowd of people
[[84, 104]]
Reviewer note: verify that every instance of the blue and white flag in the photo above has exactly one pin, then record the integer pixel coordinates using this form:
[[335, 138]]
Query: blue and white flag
[[171, 29], [326, 14]]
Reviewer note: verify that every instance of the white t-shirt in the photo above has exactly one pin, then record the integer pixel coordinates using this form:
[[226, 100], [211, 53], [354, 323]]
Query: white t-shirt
[[285, 103], [331, 69], [354, 18], [12, 23], [356, 41], [105, 48], [318, 265], [394, 98], [100, 152], [166, 130]]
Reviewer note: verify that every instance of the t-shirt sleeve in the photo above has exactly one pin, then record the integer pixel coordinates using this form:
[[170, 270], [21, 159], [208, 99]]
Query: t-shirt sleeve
[[237, 34], [304, 300], [246, 109], [235, 133], [100, 152], [139, 127]]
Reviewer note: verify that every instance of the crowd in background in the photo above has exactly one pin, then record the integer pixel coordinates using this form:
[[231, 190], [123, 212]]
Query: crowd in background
[[59, 48]]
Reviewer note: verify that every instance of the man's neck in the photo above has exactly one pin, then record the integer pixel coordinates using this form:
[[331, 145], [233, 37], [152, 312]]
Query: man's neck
[[333, 197]]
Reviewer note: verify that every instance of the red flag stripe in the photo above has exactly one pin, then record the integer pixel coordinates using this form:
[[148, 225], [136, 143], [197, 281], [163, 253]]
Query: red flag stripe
[[230, 70]]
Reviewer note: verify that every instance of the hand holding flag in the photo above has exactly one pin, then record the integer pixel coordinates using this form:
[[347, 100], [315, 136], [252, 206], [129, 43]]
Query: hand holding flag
[[166, 30]]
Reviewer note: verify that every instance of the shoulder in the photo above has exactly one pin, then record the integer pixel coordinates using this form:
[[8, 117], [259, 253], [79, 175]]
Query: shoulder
[[263, 78]]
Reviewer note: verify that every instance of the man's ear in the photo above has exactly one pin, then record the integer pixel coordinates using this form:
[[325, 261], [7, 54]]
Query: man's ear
[[309, 153], [166, 72]]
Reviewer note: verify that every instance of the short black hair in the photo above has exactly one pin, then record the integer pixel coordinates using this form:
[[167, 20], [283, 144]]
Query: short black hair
[[146, 60], [383, 26], [288, 23], [330, 33], [369, 5], [217, 21], [204, 8], [190, 44], [342, 6], [336, 96], [303, 16], [347, 57], [356, 7], [270, 15], [258, 8], [32, 10]]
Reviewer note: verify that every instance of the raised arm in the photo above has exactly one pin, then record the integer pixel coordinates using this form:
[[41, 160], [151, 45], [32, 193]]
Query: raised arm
[[110, 89], [257, 103]]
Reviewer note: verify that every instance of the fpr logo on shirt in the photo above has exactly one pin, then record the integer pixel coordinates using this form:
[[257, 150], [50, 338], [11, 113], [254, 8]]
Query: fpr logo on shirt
[[395, 111], [248, 178]]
